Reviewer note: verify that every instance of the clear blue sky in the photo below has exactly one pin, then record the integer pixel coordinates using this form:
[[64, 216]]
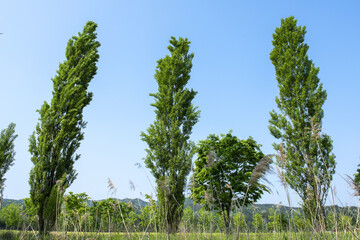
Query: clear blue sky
[[232, 73]]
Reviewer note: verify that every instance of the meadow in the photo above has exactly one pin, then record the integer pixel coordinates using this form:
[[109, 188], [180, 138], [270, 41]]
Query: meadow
[[80, 218]]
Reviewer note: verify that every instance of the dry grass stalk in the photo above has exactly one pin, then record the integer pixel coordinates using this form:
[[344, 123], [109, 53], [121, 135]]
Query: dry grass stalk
[[281, 157], [164, 186]]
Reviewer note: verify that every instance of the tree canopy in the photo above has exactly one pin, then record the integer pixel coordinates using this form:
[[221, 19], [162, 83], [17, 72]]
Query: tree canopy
[[222, 173], [7, 154], [306, 153], [58, 134], [170, 150]]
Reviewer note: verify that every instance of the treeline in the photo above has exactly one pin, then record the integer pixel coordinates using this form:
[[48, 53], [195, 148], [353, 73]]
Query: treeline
[[79, 214]]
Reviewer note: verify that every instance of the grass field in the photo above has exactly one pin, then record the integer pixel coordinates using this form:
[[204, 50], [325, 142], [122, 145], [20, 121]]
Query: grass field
[[33, 235]]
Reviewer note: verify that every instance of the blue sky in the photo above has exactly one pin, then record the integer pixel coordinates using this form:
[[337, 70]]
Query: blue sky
[[232, 73]]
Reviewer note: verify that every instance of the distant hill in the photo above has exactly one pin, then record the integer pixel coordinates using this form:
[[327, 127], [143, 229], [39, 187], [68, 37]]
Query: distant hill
[[6, 202]]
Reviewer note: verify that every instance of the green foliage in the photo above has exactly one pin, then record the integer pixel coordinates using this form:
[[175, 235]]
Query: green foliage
[[109, 215], [76, 204], [30, 208], [7, 154], [301, 222], [12, 215], [277, 221], [345, 222], [239, 221], [258, 222], [169, 150], [222, 173], [58, 134], [147, 218], [76, 209], [331, 221], [309, 164], [206, 220], [188, 218]]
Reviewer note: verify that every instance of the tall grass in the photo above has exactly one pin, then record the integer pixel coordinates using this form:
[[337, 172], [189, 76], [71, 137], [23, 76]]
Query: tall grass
[[246, 222]]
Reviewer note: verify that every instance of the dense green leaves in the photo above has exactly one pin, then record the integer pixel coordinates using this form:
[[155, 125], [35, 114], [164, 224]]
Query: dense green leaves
[[277, 221], [58, 134], [222, 173], [76, 204], [109, 214], [12, 216], [307, 161], [7, 154], [170, 150]]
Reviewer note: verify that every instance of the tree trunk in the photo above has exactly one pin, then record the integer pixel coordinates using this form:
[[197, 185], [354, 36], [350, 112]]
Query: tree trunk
[[226, 216], [41, 223]]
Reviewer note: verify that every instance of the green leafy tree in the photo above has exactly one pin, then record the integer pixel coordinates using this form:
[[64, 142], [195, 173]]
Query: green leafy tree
[[239, 221], [133, 221], [219, 222], [170, 150], [258, 222], [58, 134], [344, 222], [147, 218], [109, 214], [188, 218], [222, 174], [277, 221], [30, 211], [332, 221], [75, 206], [7, 154], [206, 219], [301, 222], [12, 215], [153, 214], [76, 203], [308, 163]]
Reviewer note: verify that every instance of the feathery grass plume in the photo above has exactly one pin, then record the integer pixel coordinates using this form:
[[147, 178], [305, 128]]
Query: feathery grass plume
[[132, 185], [261, 169], [284, 183], [353, 185], [111, 187], [281, 157], [211, 158], [281, 177], [208, 197], [164, 185], [258, 173], [315, 129]]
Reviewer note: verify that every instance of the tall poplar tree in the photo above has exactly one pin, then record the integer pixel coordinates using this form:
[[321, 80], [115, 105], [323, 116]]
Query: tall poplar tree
[[170, 150], [7, 154], [306, 153], [58, 133]]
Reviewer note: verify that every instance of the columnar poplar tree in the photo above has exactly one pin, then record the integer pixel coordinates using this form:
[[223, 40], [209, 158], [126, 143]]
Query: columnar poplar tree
[[58, 134], [307, 160], [170, 151], [7, 154]]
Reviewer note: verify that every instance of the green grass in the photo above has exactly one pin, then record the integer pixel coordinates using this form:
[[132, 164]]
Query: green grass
[[32, 235]]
